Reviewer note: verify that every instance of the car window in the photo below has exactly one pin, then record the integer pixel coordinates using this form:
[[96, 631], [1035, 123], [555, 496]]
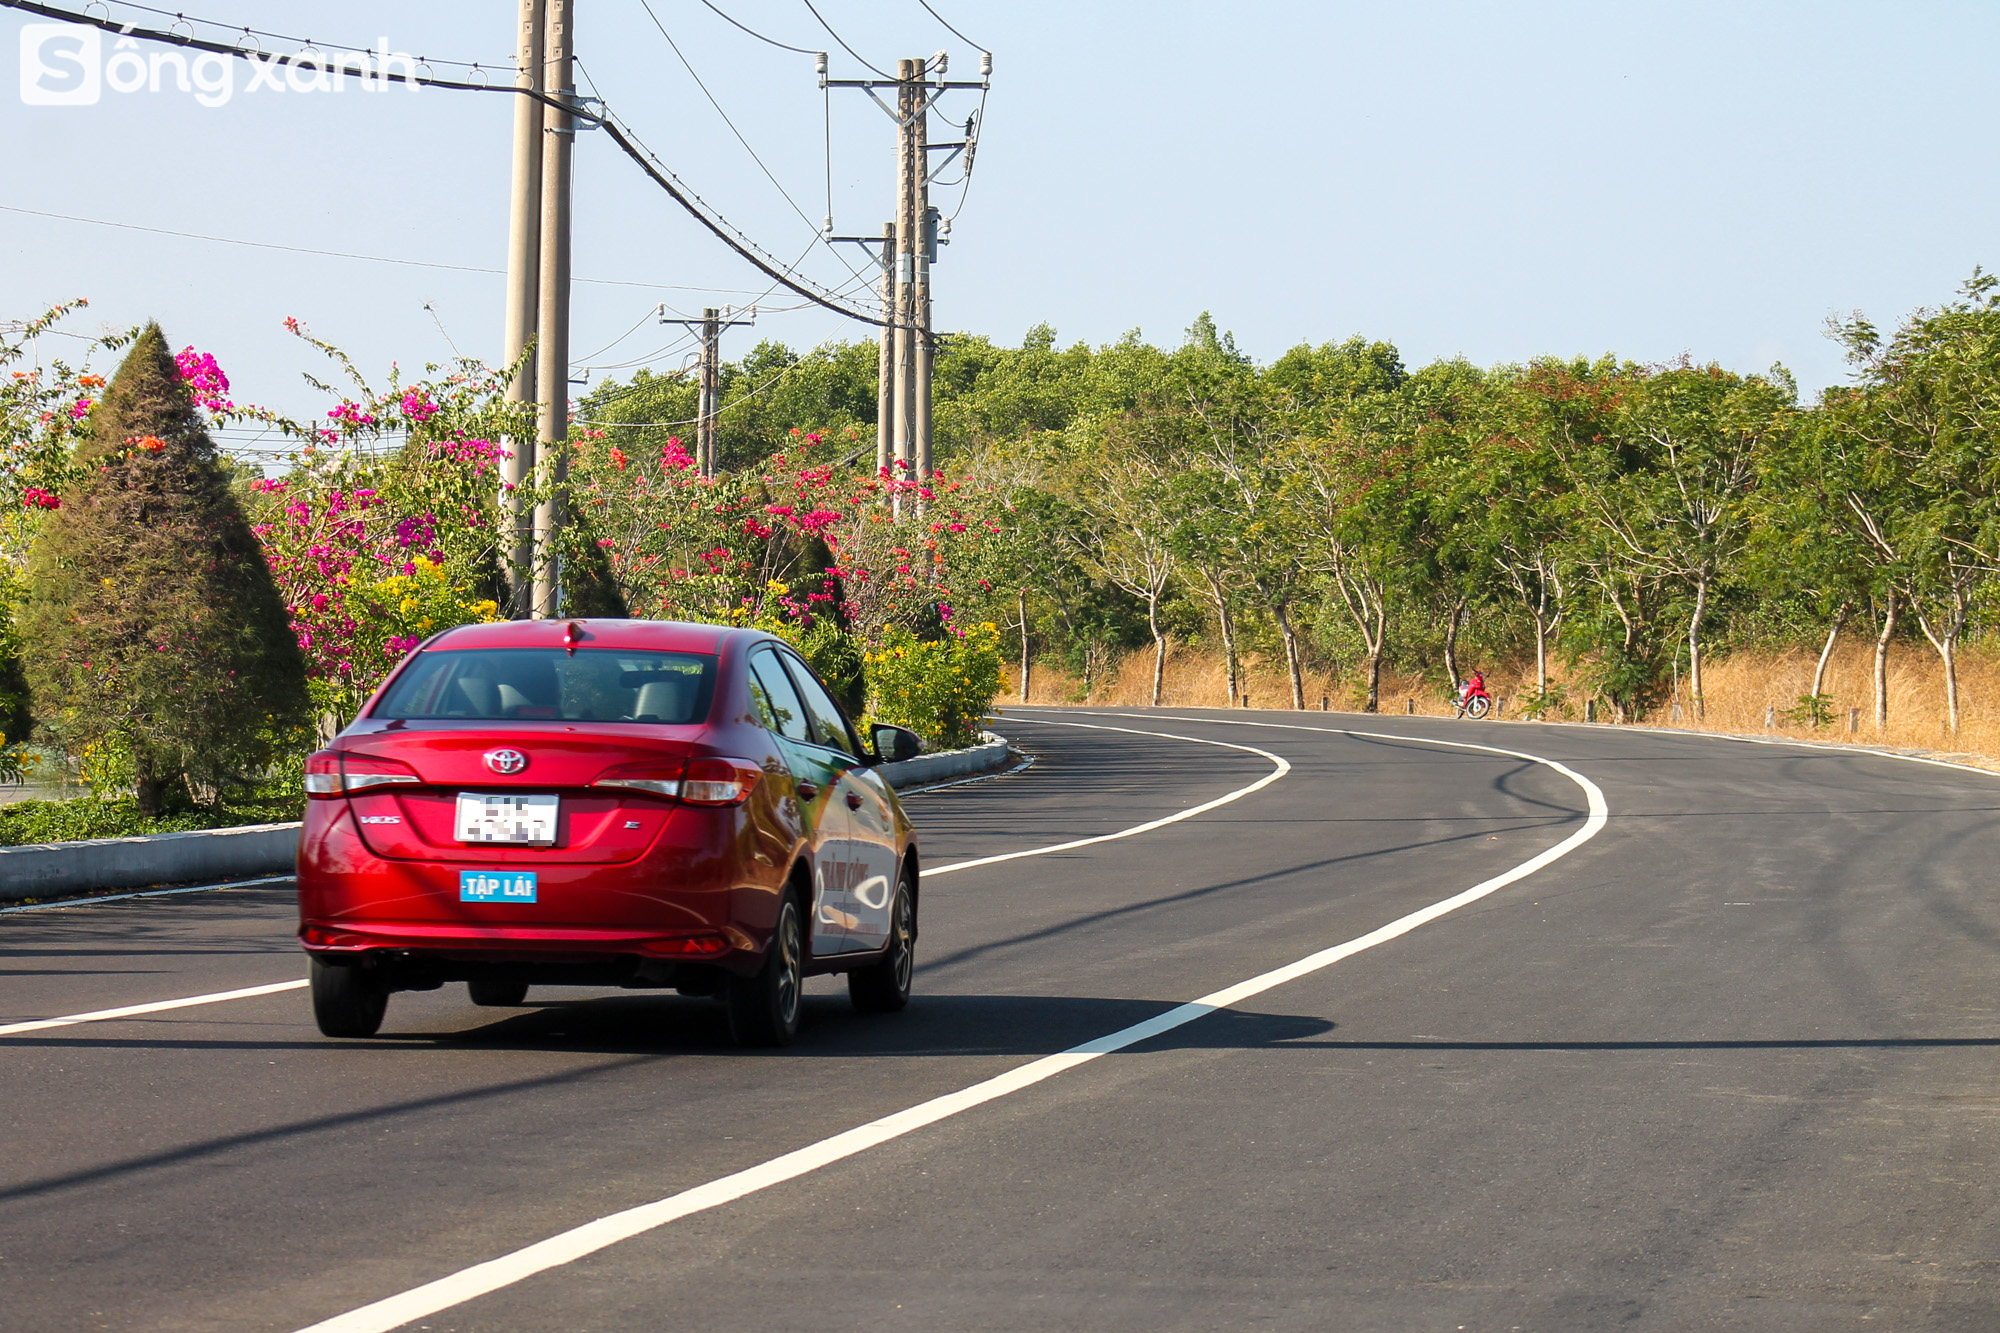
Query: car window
[[551, 684], [777, 703], [829, 726]]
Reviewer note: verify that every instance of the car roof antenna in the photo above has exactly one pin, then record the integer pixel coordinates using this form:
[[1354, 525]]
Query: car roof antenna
[[571, 637]]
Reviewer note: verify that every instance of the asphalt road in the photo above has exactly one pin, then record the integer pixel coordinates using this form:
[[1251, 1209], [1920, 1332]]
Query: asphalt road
[[1727, 1064]]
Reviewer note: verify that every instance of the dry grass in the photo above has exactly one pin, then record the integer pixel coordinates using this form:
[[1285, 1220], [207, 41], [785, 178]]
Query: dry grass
[[1740, 689]]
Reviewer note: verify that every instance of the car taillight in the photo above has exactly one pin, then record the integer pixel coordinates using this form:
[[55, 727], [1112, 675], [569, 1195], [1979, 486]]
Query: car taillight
[[719, 781], [661, 778], [697, 781], [332, 773]]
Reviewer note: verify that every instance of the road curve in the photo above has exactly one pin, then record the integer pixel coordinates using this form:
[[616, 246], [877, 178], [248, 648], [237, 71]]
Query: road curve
[[1725, 1063]]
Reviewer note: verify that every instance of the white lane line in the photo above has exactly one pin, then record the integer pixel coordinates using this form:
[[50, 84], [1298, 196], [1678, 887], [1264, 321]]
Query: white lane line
[[566, 1247], [1281, 767], [148, 893], [157, 1006], [100, 1015]]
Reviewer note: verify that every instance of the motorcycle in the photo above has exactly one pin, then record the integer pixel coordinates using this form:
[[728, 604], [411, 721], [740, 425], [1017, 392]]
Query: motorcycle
[[1473, 701]]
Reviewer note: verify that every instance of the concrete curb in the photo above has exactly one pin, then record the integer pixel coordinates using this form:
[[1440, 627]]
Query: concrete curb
[[49, 869], [946, 764], [41, 870]]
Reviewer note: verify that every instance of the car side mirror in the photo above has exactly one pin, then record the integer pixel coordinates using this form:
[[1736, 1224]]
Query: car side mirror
[[895, 744]]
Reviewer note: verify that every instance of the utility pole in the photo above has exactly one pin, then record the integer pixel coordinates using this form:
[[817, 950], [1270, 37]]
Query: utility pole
[[552, 343], [711, 372], [909, 247], [523, 290], [708, 402], [885, 368], [924, 238], [909, 100]]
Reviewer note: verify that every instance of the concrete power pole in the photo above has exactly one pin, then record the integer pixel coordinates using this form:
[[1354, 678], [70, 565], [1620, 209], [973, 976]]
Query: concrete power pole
[[920, 272], [908, 167], [885, 370], [708, 402], [711, 372], [552, 343], [524, 219], [903, 443]]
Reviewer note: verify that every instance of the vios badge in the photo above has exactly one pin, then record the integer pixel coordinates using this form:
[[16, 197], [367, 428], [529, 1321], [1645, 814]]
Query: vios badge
[[506, 761]]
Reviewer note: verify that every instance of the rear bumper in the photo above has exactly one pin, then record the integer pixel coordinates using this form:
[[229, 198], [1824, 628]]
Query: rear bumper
[[686, 906]]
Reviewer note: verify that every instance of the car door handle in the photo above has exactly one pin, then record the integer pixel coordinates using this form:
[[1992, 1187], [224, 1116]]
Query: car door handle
[[808, 791], [854, 800]]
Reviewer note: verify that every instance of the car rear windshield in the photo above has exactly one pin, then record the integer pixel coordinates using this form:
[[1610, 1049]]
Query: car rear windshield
[[549, 684]]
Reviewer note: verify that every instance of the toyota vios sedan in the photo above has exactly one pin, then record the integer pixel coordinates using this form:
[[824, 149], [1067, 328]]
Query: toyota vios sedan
[[606, 803]]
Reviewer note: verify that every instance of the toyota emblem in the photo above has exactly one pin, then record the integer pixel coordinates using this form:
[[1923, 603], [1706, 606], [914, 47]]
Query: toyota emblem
[[506, 761]]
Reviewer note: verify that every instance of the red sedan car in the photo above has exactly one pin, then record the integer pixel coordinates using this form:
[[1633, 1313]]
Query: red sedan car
[[606, 803]]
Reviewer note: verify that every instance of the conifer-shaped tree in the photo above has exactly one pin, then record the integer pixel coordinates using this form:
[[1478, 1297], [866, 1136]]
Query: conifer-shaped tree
[[151, 630]]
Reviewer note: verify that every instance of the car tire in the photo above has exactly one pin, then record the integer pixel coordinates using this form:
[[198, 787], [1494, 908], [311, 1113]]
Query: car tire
[[497, 992], [764, 1008], [347, 1001], [884, 987]]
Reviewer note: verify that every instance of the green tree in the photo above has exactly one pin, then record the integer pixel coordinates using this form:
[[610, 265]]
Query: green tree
[[154, 636], [1679, 505]]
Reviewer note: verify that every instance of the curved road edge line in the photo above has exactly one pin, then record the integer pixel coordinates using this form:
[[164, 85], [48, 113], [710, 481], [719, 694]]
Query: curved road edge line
[[1281, 767], [565, 1247]]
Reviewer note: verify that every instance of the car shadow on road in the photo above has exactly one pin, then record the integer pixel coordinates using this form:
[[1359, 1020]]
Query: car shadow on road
[[641, 1031], [933, 1026]]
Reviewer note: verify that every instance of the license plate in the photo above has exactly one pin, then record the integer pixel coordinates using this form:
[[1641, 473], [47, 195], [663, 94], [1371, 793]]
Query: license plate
[[506, 817], [496, 886]]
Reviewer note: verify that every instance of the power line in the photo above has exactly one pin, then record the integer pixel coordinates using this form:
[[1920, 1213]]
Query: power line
[[342, 254], [646, 160], [797, 50], [843, 41], [591, 357], [947, 26], [727, 407], [768, 175], [302, 42]]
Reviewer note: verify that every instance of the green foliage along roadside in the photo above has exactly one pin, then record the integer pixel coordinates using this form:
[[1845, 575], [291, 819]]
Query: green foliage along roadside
[[939, 688], [26, 822], [151, 627]]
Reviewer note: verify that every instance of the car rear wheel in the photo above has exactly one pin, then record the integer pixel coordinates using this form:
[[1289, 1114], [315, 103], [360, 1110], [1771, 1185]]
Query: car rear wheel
[[347, 1001], [497, 992], [884, 987], [764, 1009]]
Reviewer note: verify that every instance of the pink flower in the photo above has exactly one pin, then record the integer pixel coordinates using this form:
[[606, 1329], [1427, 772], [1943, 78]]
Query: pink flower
[[205, 381], [80, 408]]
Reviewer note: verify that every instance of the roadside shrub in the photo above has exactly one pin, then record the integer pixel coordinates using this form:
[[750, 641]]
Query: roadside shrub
[[26, 822], [1812, 710], [941, 689], [151, 629]]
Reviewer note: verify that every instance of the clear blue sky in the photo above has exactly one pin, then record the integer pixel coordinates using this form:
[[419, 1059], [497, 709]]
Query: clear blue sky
[[1493, 180]]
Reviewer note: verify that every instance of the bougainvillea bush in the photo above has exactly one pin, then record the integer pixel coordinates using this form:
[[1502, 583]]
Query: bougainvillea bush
[[814, 544], [388, 526]]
